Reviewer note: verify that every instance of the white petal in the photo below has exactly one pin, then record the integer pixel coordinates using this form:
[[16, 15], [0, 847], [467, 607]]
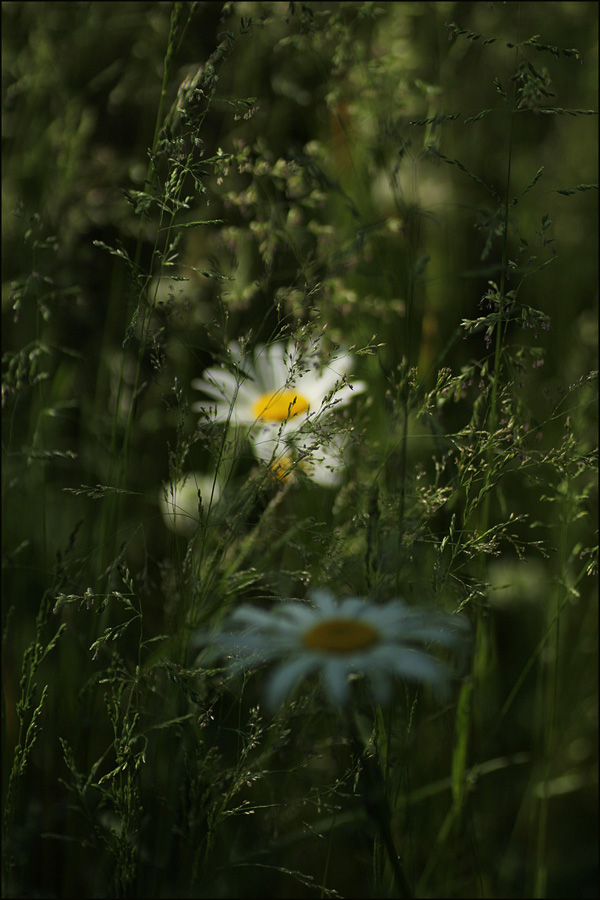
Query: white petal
[[218, 380], [414, 665], [238, 392], [391, 616], [355, 607], [267, 443], [324, 600], [244, 654], [335, 678], [432, 627], [346, 392], [217, 413], [301, 614], [285, 677], [271, 370], [251, 616]]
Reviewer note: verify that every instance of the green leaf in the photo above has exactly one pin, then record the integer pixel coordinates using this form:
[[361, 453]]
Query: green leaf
[[461, 744]]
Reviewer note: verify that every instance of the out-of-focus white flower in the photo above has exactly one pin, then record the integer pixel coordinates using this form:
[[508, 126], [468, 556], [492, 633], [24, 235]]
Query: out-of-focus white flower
[[179, 500], [320, 458], [337, 639], [278, 389]]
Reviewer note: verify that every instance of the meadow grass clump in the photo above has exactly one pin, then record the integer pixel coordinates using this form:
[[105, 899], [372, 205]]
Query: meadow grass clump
[[300, 447]]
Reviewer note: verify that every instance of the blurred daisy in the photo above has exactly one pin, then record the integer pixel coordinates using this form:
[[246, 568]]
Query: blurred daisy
[[319, 458], [337, 639], [278, 389], [179, 501]]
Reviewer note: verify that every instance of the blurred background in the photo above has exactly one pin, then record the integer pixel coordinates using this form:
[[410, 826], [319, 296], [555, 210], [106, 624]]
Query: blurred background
[[327, 196]]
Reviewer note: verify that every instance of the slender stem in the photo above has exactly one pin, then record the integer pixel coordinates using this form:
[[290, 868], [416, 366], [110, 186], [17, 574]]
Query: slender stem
[[412, 228], [549, 680], [501, 327], [119, 462], [472, 698], [374, 797]]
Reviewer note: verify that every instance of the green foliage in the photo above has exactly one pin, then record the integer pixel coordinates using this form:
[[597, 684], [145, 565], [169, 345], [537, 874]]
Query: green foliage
[[185, 186]]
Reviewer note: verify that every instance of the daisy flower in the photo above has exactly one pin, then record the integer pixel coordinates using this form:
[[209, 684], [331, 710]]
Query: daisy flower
[[278, 389], [322, 461], [337, 639], [179, 500]]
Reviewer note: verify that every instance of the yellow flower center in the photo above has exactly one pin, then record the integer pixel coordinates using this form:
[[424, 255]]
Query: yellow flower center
[[341, 636], [282, 468], [279, 405]]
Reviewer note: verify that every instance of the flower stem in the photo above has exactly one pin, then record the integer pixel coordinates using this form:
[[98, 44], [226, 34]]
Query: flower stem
[[373, 795]]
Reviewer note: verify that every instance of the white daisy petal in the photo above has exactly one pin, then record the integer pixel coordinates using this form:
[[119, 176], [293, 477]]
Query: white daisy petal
[[335, 678], [275, 393], [278, 368], [355, 607], [416, 666], [300, 614], [285, 677], [324, 600], [250, 616], [337, 638], [444, 631]]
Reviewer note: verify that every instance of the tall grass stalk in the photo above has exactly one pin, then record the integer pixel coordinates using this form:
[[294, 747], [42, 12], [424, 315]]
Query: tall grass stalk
[[319, 208]]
